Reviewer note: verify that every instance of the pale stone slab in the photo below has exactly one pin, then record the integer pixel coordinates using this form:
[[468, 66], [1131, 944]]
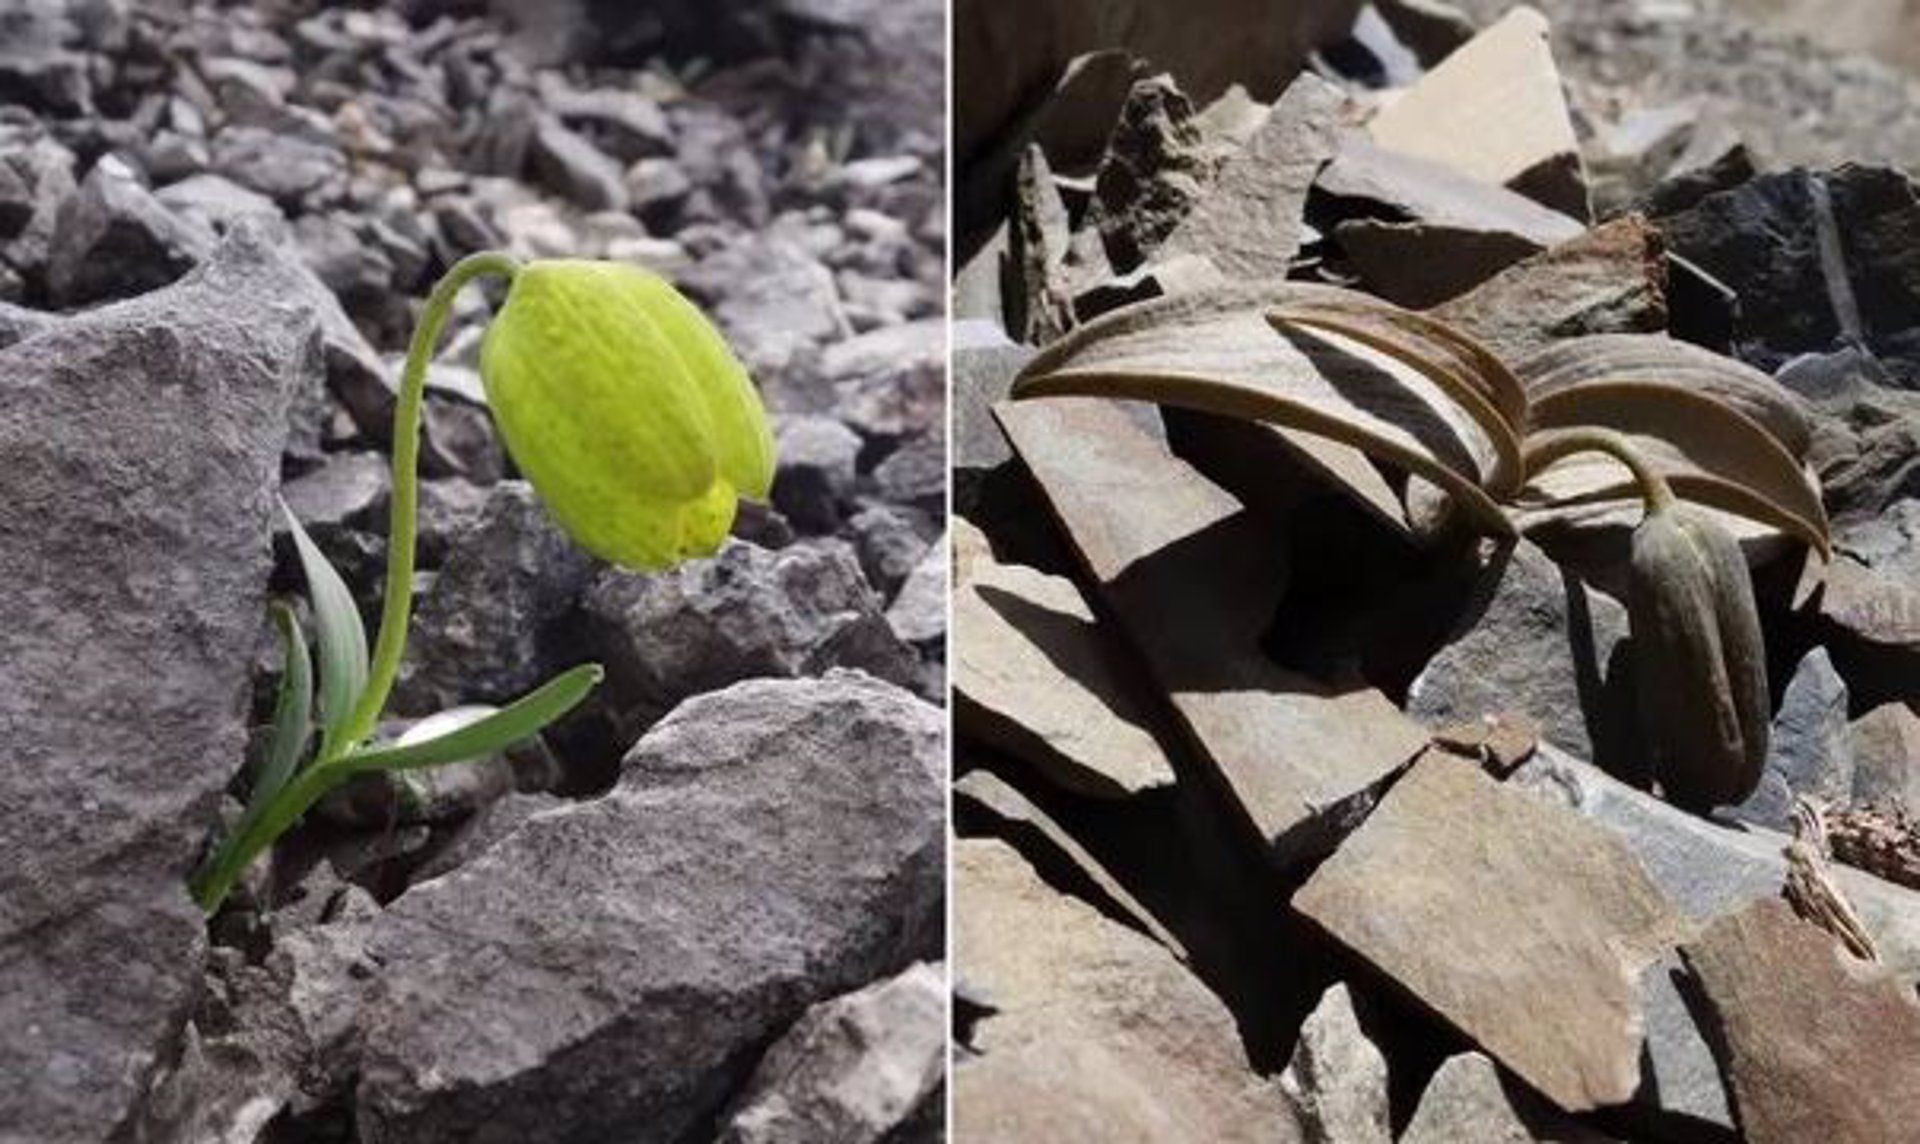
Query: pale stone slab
[[1519, 923]]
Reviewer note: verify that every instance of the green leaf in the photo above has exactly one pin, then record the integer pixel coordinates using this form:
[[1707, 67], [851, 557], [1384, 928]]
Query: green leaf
[[343, 641], [518, 720], [292, 717]]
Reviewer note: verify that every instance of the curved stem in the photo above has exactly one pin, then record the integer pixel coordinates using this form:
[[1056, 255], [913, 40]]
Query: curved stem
[[396, 606], [1544, 449]]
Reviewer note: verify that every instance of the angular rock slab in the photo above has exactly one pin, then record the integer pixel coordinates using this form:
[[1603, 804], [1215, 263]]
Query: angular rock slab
[[1097, 1033], [1494, 111], [141, 446], [608, 970], [1809, 753], [1193, 580], [854, 1068], [1818, 1045], [1521, 925], [1034, 675]]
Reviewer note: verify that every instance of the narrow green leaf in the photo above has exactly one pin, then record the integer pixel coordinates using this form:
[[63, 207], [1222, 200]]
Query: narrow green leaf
[[342, 638], [292, 718], [516, 721]]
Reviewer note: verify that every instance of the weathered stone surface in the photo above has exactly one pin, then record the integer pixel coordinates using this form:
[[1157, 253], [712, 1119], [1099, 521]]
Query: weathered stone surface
[[1885, 744], [1817, 1045], [773, 299], [135, 556], [1249, 222], [1494, 111], [1611, 280], [1158, 164], [1425, 191], [113, 239], [892, 381], [855, 1068], [1708, 870], [1808, 753], [1097, 1032], [747, 612], [1337, 1077], [818, 463], [1034, 675], [1521, 925], [767, 847], [36, 178], [985, 804], [1538, 642], [1468, 1099], [292, 171], [891, 542], [1192, 578], [1420, 264]]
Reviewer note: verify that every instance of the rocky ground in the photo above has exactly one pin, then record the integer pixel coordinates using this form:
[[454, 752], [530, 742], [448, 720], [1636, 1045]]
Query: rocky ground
[[1279, 818], [712, 905]]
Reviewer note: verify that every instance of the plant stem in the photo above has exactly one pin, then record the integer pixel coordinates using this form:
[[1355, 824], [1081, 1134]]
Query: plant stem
[[211, 886], [1555, 444], [396, 607]]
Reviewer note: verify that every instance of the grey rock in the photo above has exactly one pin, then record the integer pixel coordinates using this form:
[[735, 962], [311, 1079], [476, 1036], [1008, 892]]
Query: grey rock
[[492, 626], [575, 169], [35, 180], [745, 613], [818, 463], [1470, 1099], [916, 472], [295, 172], [136, 555], [890, 541], [853, 1069], [214, 201], [1885, 744], [113, 239], [772, 297], [627, 125], [1337, 1077], [985, 363], [1537, 642], [1808, 753], [890, 382], [918, 613], [656, 187], [349, 491], [606, 970], [17, 323]]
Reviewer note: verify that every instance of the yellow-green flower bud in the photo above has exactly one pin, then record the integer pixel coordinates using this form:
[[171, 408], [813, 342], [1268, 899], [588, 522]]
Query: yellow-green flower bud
[[1699, 663], [623, 406]]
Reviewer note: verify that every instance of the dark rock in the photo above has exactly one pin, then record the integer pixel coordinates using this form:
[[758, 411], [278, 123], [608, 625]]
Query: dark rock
[[569, 165], [1819, 260], [1815, 1044], [890, 541], [627, 125], [1808, 753], [817, 469], [492, 626], [915, 473], [113, 239], [1537, 642], [1158, 164], [855, 1068], [136, 554], [35, 180], [748, 612], [787, 836], [338, 504]]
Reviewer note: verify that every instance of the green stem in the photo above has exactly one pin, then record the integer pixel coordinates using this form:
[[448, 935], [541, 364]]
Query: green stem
[[211, 886], [396, 607], [1545, 448]]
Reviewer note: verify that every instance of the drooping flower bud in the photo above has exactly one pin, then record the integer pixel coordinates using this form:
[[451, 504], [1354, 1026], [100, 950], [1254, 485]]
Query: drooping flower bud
[[1699, 662], [623, 406]]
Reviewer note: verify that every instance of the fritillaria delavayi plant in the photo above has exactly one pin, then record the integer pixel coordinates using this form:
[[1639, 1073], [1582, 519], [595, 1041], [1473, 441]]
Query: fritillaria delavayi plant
[[640, 431], [1582, 425]]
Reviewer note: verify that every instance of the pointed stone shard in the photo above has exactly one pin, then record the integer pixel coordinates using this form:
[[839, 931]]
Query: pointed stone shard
[[1034, 676], [1468, 1100], [1337, 1077], [1495, 111], [1193, 579], [1818, 1045], [1520, 924]]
